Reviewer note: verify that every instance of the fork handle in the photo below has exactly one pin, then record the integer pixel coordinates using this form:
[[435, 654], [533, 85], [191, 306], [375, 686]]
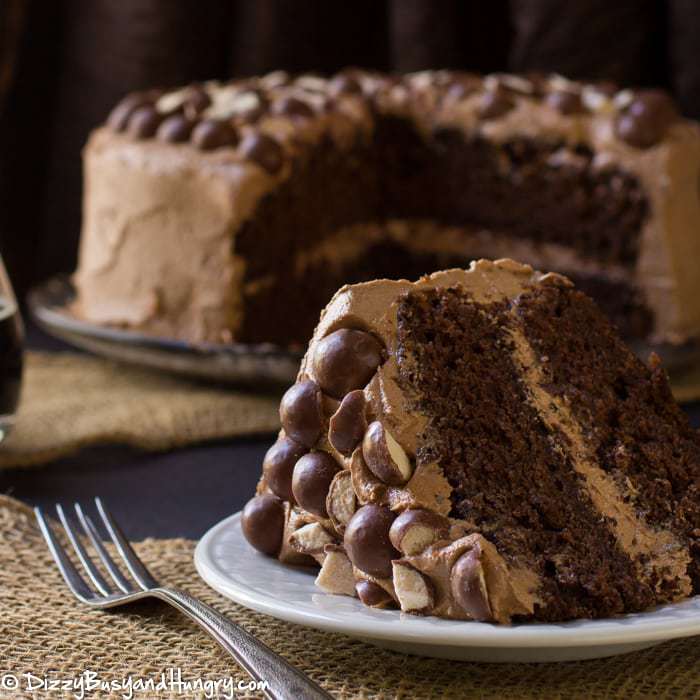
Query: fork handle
[[263, 664]]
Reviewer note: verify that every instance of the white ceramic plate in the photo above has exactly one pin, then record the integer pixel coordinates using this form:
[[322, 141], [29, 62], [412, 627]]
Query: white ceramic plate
[[231, 566]]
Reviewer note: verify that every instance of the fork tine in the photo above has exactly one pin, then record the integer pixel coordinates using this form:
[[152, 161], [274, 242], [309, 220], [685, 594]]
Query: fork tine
[[70, 574], [135, 565], [92, 571], [117, 576]]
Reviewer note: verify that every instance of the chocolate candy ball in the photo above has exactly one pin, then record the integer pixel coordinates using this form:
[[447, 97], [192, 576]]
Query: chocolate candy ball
[[416, 529], [301, 412], [645, 121], [346, 360], [311, 480], [278, 466], [119, 116], [348, 424], [656, 103], [495, 103], [461, 87], [292, 107], [344, 84], [213, 133], [367, 541], [373, 595], [263, 523], [468, 585], [539, 82], [175, 129], [384, 457], [565, 102], [143, 122], [263, 150], [196, 101]]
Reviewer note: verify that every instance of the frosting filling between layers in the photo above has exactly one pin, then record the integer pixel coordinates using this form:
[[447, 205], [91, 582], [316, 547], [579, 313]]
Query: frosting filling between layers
[[659, 555], [634, 430], [513, 479], [376, 250]]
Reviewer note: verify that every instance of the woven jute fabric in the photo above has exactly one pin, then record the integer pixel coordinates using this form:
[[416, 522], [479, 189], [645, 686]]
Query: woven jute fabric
[[45, 632], [70, 401]]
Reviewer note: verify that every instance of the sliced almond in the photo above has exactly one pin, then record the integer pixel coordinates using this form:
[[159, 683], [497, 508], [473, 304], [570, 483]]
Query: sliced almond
[[171, 101]]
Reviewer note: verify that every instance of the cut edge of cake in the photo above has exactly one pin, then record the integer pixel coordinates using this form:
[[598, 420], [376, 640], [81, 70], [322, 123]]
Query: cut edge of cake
[[392, 468]]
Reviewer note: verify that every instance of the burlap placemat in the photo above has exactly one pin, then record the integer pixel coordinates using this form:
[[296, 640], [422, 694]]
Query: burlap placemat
[[70, 401], [45, 632]]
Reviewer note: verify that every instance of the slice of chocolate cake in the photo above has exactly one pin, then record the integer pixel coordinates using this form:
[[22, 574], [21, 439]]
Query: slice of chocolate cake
[[207, 205], [480, 444]]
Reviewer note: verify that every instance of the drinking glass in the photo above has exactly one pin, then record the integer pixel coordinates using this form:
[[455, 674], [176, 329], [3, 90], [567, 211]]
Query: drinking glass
[[11, 341]]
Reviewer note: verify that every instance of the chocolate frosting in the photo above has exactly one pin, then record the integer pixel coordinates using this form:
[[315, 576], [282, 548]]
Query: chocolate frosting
[[158, 250]]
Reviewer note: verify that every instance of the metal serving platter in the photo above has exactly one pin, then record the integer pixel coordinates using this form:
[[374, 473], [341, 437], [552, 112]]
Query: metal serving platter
[[50, 306]]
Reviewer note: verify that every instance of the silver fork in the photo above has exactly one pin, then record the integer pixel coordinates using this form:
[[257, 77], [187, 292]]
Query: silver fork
[[263, 664]]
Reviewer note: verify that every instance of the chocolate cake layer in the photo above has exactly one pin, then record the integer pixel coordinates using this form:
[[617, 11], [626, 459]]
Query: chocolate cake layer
[[267, 320], [511, 480], [638, 434], [543, 190], [382, 257], [554, 195], [327, 190], [622, 303]]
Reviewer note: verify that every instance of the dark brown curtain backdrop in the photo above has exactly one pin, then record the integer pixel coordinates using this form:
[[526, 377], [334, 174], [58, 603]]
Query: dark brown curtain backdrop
[[64, 63]]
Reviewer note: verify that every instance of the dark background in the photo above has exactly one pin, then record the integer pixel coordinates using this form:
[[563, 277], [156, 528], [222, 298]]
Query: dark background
[[65, 63]]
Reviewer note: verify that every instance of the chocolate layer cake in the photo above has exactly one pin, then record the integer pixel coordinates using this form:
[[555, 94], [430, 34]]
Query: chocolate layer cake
[[460, 447], [234, 211]]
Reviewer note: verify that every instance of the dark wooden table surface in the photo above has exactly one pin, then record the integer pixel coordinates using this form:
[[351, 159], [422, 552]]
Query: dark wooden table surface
[[175, 494]]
